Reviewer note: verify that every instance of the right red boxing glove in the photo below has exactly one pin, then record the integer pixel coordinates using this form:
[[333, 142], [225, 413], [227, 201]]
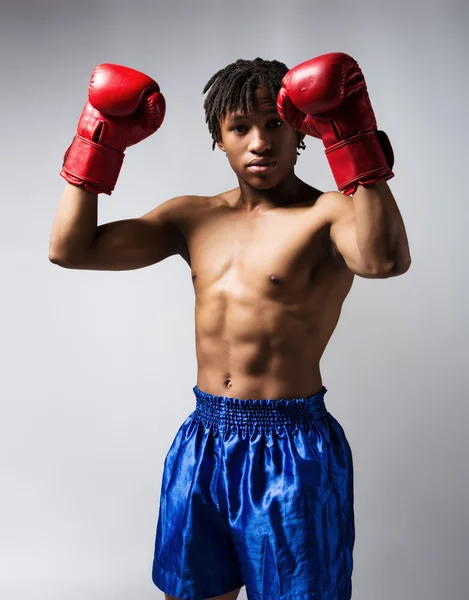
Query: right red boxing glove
[[124, 107]]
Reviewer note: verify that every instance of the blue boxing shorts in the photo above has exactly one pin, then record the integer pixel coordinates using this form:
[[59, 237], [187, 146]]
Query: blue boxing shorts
[[257, 493]]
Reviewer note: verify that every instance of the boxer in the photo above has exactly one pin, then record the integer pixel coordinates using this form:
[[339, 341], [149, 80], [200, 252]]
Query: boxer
[[257, 486]]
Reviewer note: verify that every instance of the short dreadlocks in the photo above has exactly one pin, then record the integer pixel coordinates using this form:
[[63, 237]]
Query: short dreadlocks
[[233, 87]]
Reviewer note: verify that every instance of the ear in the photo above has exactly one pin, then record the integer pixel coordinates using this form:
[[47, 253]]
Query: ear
[[221, 146]]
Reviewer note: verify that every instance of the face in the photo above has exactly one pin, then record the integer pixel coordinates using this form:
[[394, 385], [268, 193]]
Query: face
[[259, 136]]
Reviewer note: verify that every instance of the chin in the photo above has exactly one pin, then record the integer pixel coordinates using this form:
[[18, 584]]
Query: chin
[[263, 183]]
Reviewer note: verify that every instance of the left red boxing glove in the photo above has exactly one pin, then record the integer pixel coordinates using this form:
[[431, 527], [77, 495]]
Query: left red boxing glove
[[124, 107], [327, 97]]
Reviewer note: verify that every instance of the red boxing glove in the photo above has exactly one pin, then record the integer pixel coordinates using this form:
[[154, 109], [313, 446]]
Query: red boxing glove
[[124, 107], [326, 97]]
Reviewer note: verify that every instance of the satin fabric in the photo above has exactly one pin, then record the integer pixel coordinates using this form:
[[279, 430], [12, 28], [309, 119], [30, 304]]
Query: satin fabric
[[257, 493]]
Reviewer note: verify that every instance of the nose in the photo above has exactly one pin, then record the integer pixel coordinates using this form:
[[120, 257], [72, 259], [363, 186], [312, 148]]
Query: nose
[[259, 141]]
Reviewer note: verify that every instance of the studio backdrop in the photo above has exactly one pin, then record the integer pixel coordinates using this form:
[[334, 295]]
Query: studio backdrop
[[98, 367]]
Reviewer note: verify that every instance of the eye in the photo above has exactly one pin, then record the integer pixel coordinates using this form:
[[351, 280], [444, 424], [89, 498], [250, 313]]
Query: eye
[[272, 124], [277, 123]]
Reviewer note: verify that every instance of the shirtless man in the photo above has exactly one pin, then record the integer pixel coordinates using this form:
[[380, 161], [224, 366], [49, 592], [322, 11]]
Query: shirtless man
[[258, 483]]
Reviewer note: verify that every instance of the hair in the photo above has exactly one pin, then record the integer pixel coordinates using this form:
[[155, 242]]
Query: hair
[[233, 87]]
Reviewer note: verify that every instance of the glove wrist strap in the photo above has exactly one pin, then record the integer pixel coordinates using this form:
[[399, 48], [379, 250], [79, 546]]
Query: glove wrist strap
[[362, 159], [91, 165]]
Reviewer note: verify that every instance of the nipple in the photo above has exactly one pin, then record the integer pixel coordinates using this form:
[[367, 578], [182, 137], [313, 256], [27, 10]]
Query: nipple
[[274, 278]]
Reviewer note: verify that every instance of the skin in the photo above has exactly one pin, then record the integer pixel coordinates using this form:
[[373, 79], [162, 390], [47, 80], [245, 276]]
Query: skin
[[268, 285]]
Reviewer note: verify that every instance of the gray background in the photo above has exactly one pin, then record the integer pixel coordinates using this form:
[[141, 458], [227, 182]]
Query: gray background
[[98, 367]]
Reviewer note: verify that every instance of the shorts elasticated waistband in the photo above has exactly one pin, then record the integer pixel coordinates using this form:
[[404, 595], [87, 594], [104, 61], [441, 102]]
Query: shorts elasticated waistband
[[224, 411]]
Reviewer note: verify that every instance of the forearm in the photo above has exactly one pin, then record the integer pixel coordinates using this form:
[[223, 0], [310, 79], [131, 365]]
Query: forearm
[[75, 224], [381, 235]]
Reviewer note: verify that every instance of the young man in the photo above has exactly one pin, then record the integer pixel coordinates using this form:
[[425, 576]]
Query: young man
[[258, 483]]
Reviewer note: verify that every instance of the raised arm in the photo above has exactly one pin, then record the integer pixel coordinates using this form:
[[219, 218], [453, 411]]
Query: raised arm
[[124, 107], [77, 242]]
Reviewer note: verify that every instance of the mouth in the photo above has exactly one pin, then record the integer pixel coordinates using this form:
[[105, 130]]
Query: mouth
[[262, 165]]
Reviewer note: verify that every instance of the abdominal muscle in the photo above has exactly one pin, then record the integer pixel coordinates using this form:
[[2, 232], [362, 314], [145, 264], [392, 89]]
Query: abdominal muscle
[[259, 348], [268, 298]]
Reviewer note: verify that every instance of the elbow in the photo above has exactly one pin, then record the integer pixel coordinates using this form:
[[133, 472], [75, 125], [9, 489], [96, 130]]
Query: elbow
[[55, 256], [401, 267], [392, 269], [56, 259], [406, 267], [61, 256]]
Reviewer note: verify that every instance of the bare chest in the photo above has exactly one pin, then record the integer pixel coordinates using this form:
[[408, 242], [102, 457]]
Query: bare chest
[[283, 253]]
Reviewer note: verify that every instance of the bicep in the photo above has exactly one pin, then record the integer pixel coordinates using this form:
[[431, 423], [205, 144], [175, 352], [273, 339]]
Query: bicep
[[343, 234], [133, 243], [344, 242]]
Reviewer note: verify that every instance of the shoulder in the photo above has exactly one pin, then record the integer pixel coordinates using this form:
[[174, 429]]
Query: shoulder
[[179, 210], [181, 203], [335, 207], [168, 218], [175, 210]]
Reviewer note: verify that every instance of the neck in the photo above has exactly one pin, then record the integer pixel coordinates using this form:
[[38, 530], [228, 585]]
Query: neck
[[286, 192]]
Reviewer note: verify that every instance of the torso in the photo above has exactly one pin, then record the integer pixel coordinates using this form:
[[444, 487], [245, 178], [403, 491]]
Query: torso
[[269, 292]]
